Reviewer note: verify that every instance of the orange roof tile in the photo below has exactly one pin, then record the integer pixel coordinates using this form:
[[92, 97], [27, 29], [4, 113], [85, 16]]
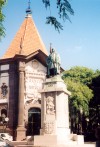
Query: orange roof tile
[[26, 41]]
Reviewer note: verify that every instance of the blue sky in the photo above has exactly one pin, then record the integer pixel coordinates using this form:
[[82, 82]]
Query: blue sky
[[78, 44]]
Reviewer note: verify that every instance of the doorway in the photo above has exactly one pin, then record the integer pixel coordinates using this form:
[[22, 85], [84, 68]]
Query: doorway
[[34, 121]]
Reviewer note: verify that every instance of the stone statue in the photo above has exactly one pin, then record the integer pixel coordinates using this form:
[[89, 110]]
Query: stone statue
[[53, 63]]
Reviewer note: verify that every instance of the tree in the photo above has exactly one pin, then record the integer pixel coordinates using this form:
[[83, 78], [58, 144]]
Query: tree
[[2, 32], [80, 96], [95, 102], [77, 79], [63, 8], [80, 74]]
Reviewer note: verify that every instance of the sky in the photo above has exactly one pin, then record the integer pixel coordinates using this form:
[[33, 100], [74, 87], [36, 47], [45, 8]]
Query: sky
[[79, 42]]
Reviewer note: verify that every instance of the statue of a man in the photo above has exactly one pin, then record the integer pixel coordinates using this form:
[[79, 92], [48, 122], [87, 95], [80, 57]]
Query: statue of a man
[[53, 63]]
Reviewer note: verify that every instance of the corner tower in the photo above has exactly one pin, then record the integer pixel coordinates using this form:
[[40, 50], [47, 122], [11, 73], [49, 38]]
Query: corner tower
[[24, 60]]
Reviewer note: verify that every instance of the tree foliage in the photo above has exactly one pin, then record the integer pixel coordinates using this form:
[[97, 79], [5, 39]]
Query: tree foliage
[[84, 84], [77, 80], [2, 30], [80, 74], [80, 96], [63, 8], [95, 102]]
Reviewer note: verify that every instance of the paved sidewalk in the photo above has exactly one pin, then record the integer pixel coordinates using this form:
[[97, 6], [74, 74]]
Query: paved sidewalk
[[24, 144], [82, 145]]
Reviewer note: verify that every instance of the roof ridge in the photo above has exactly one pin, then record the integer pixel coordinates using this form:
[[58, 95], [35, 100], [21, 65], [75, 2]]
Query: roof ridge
[[22, 39]]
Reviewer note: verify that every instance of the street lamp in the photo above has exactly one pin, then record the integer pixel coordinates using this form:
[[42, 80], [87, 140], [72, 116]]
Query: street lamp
[[87, 121]]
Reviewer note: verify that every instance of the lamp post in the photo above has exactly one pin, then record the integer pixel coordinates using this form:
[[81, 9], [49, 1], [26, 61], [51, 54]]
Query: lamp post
[[87, 121]]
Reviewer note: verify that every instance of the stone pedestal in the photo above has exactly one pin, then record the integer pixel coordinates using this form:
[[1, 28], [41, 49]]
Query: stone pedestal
[[54, 112]]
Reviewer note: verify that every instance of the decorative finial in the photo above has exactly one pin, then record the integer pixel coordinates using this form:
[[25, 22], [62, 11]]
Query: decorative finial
[[28, 10]]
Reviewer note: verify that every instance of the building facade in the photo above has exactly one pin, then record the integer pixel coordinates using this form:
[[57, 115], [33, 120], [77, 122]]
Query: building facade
[[22, 73]]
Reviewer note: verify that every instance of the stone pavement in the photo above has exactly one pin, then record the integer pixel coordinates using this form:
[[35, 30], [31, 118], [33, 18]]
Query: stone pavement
[[81, 145], [85, 145], [24, 144]]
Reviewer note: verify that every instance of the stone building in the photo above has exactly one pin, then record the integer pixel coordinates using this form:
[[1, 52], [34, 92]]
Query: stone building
[[22, 73]]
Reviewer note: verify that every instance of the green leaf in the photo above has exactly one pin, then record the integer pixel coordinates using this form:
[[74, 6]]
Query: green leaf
[[46, 3], [53, 21]]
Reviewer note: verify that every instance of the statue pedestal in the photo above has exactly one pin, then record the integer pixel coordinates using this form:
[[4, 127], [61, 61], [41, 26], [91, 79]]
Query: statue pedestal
[[54, 113]]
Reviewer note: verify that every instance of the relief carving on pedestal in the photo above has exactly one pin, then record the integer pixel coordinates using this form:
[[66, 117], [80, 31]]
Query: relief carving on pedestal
[[50, 105], [48, 127]]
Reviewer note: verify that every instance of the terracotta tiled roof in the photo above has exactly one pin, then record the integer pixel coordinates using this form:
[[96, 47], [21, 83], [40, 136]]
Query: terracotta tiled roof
[[26, 41]]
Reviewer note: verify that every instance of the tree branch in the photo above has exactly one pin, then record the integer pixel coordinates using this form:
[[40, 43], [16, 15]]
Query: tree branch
[[53, 21]]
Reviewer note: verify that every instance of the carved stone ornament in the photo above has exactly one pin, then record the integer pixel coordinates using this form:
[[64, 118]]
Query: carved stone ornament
[[32, 85], [4, 90], [48, 127], [50, 105], [21, 66], [34, 100], [4, 106], [35, 64], [34, 78]]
